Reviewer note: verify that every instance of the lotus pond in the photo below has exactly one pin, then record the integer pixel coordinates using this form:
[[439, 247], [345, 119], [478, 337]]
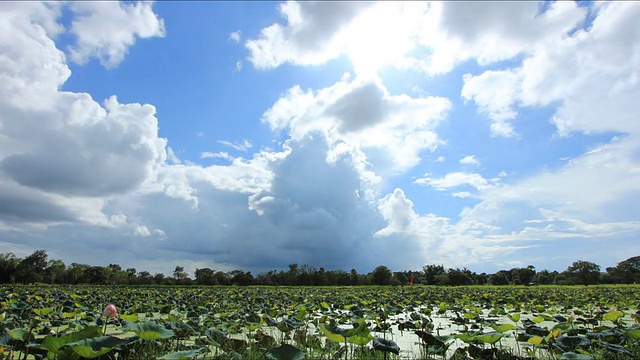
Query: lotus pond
[[76, 322]]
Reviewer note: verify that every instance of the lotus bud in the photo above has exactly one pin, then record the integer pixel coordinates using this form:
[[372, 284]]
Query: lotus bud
[[110, 311]]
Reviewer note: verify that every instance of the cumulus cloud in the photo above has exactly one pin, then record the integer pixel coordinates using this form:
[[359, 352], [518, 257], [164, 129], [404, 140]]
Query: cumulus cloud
[[574, 71], [390, 129], [63, 150], [469, 160], [309, 36], [106, 30]]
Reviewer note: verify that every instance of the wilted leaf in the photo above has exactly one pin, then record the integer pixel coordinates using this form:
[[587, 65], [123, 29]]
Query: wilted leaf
[[386, 345], [574, 356], [285, 352]]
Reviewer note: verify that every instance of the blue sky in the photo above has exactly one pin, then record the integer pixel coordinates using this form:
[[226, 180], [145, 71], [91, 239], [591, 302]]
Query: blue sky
[[346, 135]]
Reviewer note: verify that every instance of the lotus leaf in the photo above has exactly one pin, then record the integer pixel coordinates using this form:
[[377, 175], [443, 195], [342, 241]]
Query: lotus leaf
[[386, 345], [285, 352]]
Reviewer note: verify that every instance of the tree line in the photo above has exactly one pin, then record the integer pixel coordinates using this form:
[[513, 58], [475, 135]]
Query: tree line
[[38, 268]]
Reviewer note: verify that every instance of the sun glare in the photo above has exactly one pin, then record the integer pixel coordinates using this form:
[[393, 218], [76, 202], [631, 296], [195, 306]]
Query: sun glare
[[382, 35]]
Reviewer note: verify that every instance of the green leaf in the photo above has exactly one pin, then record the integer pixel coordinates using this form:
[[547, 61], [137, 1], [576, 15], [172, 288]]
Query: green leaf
[[466, 337], [42, 312], [361, 338], [54, 343], [613, 315], [490, 338], [285, 352], [330, 335], [535, 340], [537, 319], [149, 330], [130, 317], [503, 327], [324, 305], [95, 347], [514, 317], [633, 334], [19, 334], [182, 355]]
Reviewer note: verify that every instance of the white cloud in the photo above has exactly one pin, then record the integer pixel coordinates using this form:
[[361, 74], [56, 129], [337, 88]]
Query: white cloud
[[89, 152], [574, 71], [370, 34], [308, 38], [240, 146], [457, 179], [390, 129], [458, 31], [469, 160], [106, 30], [220, 155], [235, 36]]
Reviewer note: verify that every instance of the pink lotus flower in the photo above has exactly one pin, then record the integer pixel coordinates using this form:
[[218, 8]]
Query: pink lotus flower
[[110, 311]]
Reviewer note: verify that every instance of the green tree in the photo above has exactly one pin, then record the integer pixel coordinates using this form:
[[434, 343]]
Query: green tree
[[629, 270], [96, 275], [8, 264], [145, 278], [499, 278], [381, 275], [584, 272], [180, 275], [431, 271], [205, 276], [32, 268], [54, 273]]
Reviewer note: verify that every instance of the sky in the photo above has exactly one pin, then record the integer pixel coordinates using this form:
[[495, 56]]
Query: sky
[[343, 135]]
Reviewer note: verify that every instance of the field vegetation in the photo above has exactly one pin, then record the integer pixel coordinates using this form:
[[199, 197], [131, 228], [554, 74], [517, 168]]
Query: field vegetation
[[51, 311]]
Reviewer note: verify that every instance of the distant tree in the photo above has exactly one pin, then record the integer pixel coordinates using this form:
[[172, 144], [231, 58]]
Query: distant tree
[[400, 278], [430, 273], [583, 272], [522, 276], [292, 275], [205, 276], [132, 276], [180, 275], [8, 264], [75, 273], [54, 273], [95, 275], [499, 278], [222, 278], [353, 277], [629, 270], [545, 277], [240, 278], [32, 268], [381, 276], [458, 277], [482, 279], [145, 278], [159, 279]]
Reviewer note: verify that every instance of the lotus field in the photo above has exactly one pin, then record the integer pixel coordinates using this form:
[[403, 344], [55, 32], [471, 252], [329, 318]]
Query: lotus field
[[419, 322]]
